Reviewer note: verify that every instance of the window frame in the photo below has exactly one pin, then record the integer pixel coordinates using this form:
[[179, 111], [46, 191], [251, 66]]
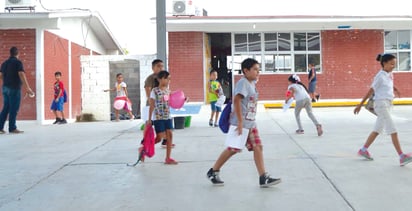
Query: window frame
[[289, 66]]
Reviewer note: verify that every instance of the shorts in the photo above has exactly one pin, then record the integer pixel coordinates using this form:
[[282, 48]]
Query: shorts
[[57, 106], [384, 119], [312, 87], [162, 125], [253, 140], [215, 108]]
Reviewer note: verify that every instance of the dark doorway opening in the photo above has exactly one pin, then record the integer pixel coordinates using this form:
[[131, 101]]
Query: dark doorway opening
[[221, 49]]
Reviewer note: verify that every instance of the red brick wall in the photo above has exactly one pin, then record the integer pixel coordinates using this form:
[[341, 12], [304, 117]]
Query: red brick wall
[[186, 63], [57, 58], [348, 66], [56, 54], [25, 41], [349, 63], [77, 52]]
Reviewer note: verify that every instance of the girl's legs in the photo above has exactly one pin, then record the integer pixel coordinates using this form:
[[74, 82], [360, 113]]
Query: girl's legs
[[169, 137], [211, 118], [116, 112], [308, 108], [298, 107], [396, 144]]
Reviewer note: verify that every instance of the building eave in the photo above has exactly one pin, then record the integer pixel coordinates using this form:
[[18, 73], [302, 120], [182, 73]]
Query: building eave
[[52, 21], [285, 23]]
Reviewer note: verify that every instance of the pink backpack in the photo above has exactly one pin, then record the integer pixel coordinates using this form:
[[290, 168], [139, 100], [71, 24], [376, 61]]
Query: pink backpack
[[149, 141]]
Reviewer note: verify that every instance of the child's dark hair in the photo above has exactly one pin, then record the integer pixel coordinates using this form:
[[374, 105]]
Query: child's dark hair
[[212, 71], [383, 58], [58, 73], [295, 79], [118, 74], [248, 63], [163, 74], [156, 61]]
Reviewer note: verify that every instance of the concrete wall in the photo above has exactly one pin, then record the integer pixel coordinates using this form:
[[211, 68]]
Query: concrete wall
[[98, 74]]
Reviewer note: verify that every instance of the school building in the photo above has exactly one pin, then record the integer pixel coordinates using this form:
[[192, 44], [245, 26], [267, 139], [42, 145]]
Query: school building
[[56, 41], [344, 49]]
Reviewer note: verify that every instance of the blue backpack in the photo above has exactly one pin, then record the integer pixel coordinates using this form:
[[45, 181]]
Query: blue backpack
[[225, 117], [64, 96]]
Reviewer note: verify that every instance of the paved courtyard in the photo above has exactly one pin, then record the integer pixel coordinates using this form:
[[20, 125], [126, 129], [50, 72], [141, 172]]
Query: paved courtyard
[[82, 166]]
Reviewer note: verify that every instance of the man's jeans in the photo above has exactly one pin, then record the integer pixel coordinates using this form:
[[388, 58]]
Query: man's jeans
[[11, 105]]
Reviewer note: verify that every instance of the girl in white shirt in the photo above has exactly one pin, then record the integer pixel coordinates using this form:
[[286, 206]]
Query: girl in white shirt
[[383, 90], [300, 93]]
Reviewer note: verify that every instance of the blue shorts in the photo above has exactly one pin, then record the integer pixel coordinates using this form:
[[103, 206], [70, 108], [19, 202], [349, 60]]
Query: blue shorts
[[57, 106], [162, 125], [312, 87], [213, 107]]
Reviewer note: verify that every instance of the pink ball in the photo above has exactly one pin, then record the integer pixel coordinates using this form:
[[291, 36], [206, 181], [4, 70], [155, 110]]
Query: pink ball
[[119, 104], [177, 99]]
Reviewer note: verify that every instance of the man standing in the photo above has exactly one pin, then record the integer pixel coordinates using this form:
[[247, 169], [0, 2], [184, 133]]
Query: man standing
[[13, 76], [312, 83]]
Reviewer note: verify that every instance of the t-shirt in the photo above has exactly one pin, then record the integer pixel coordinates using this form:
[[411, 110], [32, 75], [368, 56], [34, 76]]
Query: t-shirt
[[151, 81], [300, 92], [382, 85], [120, 89], [58, 85], [161, 103], [215, 90], [10, 71], [248, 104]]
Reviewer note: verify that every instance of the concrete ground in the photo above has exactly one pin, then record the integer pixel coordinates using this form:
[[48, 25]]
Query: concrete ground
[[82, 166]]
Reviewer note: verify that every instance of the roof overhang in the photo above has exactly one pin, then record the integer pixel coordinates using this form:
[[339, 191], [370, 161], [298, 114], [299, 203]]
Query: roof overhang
[[52, 21], [285, 23]]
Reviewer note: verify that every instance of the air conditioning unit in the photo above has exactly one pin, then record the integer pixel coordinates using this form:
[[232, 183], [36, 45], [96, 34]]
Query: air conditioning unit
[[183, 8], [20, 4]]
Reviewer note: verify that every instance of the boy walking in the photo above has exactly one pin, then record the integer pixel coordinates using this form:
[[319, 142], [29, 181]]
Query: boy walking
[[241, 121], [215, 90], [58, 99]]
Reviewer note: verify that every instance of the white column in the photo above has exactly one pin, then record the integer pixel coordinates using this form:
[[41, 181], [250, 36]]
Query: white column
[[69, 86], [40, 115]]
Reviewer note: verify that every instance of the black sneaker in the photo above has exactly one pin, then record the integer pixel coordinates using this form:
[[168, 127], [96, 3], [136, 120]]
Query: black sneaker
[[313, 100], [213, 176], [265, 180], [57, 121], [63, 121], [210, 122], [317, 97]]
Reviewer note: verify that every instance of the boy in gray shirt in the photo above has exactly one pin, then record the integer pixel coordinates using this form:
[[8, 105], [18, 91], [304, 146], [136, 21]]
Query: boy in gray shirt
[[243, 118]]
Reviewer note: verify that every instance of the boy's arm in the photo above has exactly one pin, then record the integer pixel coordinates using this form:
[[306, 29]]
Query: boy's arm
[[125, 91], [238, 112]]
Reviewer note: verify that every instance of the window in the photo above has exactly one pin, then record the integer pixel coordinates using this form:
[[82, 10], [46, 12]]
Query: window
[[398, 44], [278, 51]]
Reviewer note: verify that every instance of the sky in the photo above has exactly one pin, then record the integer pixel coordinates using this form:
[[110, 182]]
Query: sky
[[129, 20]]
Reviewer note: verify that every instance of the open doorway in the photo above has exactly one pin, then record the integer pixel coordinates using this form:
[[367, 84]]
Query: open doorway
[[221, 49]]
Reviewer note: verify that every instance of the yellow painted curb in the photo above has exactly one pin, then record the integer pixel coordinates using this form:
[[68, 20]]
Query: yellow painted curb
[[334, 103]]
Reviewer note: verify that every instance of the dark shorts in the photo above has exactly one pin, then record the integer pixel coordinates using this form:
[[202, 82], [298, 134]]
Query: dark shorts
[[213, 107], [312, 87], [57, 106], [162, 125]]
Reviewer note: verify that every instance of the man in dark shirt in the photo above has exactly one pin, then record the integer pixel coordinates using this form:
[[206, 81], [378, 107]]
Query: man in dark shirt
[[13, 76]]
